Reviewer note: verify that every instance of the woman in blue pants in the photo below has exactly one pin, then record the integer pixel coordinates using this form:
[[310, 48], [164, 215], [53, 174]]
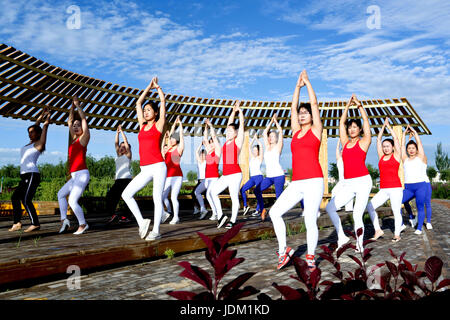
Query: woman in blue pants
[[273, 143], [414, 164], [256, 158]]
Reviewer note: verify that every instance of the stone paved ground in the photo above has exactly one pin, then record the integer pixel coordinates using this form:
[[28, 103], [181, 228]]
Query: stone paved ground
[[151, 280]]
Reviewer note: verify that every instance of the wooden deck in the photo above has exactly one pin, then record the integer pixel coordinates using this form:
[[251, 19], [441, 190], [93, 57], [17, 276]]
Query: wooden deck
[[45, 252]]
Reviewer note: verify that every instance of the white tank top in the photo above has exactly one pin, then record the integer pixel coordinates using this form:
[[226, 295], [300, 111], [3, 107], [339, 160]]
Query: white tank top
[[415, 170], [255, 167], [340, 167], [425, 173], [28, 159], [123, 168], [272, 161], [201, 167]]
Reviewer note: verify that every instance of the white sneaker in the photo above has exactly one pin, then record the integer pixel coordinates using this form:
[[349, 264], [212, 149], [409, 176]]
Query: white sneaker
[[415, 220], [83, 230], [412, 222], [246, 209], [342, 240], [66, 224], [213, 217], [165, 216], [196, 210], [403, 227], [429, 226], [174, 221], [418, 232], [153, 236], [204, 213], [256, 213], [144, 230]]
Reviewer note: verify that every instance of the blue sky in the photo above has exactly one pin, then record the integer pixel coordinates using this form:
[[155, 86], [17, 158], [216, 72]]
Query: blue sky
[[240, 49]]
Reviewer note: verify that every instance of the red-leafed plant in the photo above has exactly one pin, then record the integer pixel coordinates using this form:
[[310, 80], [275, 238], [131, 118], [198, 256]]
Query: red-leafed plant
[[222, 260], [355, 285]]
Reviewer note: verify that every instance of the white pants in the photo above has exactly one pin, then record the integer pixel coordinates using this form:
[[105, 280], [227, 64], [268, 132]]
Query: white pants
[[233, 183], [209, 183], [395, 195], [172, 185], [74, 188], [157, 172], [198, 194], [358, 188], [311, 191], [337, 188]]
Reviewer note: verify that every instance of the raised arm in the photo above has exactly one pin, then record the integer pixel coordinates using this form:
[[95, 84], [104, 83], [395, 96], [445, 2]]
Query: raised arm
[[367, 137], [116, 141], [41, 116], [162, 106], [280, 135], [217, 147], [125, 142], [403, 144], [40, 145], [255, 137], [197, 152], [266, 132], [317, 122], [343, 136], [140, 102], [85, 137], [181, 144], [380, 138], [261, 151], [240, 135], [295, 125]]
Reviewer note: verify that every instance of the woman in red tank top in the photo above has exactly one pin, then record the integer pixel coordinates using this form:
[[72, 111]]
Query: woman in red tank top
[[307, 177], [357, 181], [213, 152], [74, 188], [232, 174], [389, 153], [172, 157], [151, 120]]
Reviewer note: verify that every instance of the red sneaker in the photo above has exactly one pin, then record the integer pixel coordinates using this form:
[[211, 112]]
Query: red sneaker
[[311, 262], [283, 259]]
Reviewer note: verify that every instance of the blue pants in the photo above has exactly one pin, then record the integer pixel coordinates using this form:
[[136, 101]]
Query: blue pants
[[253, 181], [419, 191], [266, 183], [427, 204]]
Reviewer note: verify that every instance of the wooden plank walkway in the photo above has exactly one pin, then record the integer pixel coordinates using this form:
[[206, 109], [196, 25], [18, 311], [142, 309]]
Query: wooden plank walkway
[[45, 252]]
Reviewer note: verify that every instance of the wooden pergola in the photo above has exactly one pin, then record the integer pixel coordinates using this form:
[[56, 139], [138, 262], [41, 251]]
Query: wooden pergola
[[28, 84]]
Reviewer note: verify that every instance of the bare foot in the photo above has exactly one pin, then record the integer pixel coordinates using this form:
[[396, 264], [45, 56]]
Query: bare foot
[[378, 233], [16, 227], [396, 239], [32, 228]]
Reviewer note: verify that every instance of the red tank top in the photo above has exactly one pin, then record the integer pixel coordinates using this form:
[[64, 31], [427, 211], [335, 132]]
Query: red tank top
[[305, 156], [230, 158], [77, 156], [172, 160], [389, 173], [354, 162], [149, 146], [212, 165]]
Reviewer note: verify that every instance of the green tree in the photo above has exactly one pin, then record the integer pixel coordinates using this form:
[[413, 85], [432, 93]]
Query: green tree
[[374, 173], [10, 171], [441, 159], [431, 173], [192, 176], [333, 171]]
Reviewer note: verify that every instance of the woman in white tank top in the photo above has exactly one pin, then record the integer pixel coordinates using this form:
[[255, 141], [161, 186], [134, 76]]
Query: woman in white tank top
[[29, 174], [273, 143], [256, 177], [414, 162], [200, 188], [122, 178]]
